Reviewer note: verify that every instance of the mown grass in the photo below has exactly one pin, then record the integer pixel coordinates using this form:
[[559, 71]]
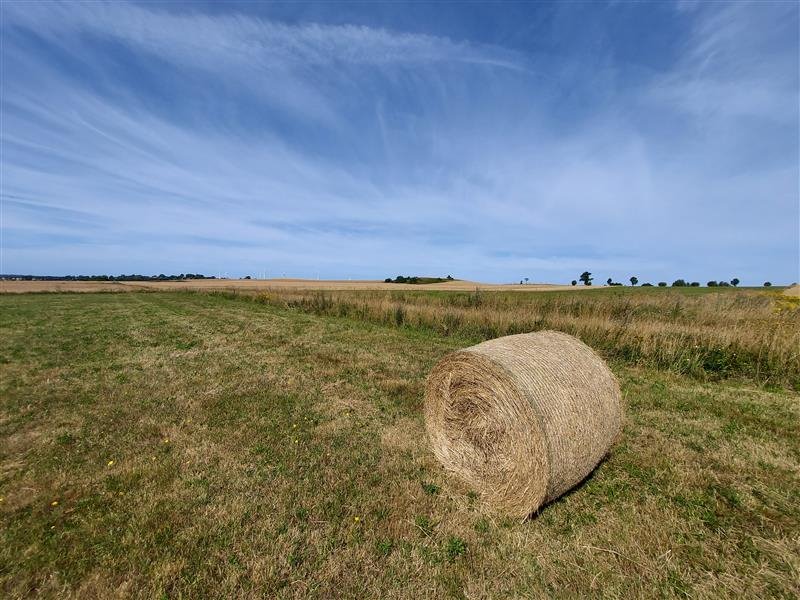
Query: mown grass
[[265, 452], [707, 335]]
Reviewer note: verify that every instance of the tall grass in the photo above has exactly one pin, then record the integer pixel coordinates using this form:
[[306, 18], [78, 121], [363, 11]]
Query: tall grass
[[745, 334]]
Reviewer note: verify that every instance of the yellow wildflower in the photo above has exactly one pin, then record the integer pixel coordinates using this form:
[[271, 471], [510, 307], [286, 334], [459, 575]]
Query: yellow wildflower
[[110, 463], [54, 503]]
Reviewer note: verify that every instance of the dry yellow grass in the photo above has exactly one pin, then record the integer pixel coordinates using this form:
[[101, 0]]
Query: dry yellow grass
[[687, 330]]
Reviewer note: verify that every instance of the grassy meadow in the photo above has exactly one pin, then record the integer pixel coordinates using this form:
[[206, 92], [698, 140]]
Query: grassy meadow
[[192, 445]]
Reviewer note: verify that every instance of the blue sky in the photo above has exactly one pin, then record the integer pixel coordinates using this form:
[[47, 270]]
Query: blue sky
[[361, 140]]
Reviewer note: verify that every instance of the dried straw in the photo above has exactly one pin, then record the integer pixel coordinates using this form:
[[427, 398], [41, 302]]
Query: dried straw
[[523, 418]]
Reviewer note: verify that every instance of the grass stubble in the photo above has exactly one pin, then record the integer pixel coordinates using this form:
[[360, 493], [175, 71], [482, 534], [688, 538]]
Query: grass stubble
[[194, 445]]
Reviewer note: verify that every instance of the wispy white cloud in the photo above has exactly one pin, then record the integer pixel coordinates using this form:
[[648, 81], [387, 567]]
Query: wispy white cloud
[[218, 41], [360, 151], [734, 65]]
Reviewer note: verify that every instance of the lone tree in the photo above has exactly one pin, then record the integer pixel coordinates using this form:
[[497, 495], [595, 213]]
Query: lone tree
[[609, 281], [734, 282], [526, 281], [634, 280], [766, 284], [586, 278], [574, 282]]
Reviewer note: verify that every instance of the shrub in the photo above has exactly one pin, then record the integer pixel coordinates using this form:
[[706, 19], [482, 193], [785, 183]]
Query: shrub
[[734, 281], [766, 284], [678, 283], [695, 284], [574, 282], [712, 284], [662, 284]]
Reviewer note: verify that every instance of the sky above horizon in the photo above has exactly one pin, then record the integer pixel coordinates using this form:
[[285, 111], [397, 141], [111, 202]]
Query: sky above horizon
[[491, 141]]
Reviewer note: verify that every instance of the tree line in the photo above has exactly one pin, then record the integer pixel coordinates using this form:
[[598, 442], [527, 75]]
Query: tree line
[[586, 279], [415, 279], [161, 277]]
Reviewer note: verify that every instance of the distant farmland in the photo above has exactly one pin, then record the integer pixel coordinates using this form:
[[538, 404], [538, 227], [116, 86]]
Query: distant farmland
[[261, 285]]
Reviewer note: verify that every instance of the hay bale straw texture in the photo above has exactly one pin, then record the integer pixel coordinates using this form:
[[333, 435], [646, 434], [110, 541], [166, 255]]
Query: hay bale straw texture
[[523, 418]]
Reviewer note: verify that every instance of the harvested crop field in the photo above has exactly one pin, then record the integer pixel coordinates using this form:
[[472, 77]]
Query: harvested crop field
[[793, 291], [262, 285], [200, 445], [22, 287]]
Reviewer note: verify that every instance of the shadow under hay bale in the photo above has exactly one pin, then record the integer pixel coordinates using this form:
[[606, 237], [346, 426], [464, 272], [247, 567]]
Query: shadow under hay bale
[[523, 418]]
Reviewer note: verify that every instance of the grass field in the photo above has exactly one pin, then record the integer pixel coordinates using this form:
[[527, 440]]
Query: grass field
[[187, 445]]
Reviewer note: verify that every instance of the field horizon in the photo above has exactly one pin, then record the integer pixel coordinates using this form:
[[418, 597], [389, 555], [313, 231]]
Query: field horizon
[[9, 286]]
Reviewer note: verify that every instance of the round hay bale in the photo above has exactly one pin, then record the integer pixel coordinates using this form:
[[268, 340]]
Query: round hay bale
[[523, 418]]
